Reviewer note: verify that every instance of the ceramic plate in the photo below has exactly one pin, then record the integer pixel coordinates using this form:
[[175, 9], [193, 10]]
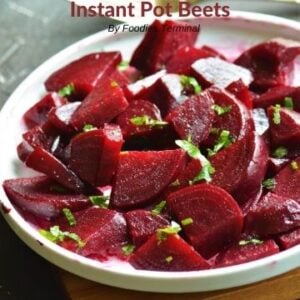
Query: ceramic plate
[[230, 36]]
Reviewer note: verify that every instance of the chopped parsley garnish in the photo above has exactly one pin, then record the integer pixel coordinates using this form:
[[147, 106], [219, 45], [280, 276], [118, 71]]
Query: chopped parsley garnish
[[114, 83], [163, 233], [187, 81], [169, 259], [123, 65], [215, 131], [294, 166], [175, 183], [221, 110], [269, 183], [289, 103], [101, 201], [69, 216], [276, 114], [88, 127], [251, 241], [158, 208], [147, 121], [280, 152], [187, 221], [194, 152], [55, 235], [66, 91], [128, 249], [223, 141]]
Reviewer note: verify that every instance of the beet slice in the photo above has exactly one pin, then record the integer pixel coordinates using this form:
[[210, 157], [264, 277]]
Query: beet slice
[[159, 44], [84, 73], [215, 71], [237, 254], [216, 219], [95, 154], [39, 196], [137, 108], [240, 168], [44, 162], [120, 78], [271, 63], [290, 239], [170, 254], [37, 114], [103, 104], [192, 169], [60, 117], [287, 132], [276, 164], [193, 118], [251, 201], [142, 224], [273, 214], [241, 92], [143, 175], [103, 231]]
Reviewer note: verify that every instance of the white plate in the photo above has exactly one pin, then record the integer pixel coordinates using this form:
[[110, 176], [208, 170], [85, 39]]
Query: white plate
[[240, 29]]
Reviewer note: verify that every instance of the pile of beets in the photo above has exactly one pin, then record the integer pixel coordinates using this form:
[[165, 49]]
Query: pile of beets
[[179, 160]]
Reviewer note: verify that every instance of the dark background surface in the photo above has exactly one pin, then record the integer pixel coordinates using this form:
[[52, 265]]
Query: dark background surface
[[30, 32]]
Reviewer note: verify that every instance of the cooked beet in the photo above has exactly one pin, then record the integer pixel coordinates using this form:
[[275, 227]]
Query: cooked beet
[[215, 71], [215, 218], [170, 254], [251, 201], [143, 175], [142, 224], [159, 44], [132, 74], [240, 168], [286, 131], [276, 164], [103, 104], [84, 73], [119, 78], [271, 63], [290, 239], [273, 214], [192, 169], [60, 117], [241, 92], [193, 118], [95, 154], [43, 197], [37, 114], [137, 108], [103, 231], [237, 254], [44, 162]]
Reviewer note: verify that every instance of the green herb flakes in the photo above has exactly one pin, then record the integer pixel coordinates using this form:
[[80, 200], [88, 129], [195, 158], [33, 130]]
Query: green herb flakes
[[294, 166], [221, 110], [280, 152], [123, 65], [223, 141], [158, 208], [66, 91], [147, 121], [88, 127], [163, 233], [69, 216], [114, 84], [169, 259], [187, 81], [269, 183], [128, 249], [251, 241], [187, 221], [276, 114], [101, 201], [289, 103]]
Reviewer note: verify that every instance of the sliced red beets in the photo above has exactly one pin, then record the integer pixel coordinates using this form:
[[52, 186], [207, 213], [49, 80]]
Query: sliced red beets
[[84, 72], [142, 224], [102, 105], [95, 154], [103, 231], [137, 108], [193, 118], [170, 254], [37, 114], [240, 168], [44, 162], [215, 71], [143, 175], [273, 214], [39, 196], [192, 169], [159, 44], [237, 254], [290, 239], [276, 164], [287, 132], [215, 218], [241, 92], [132, 74]]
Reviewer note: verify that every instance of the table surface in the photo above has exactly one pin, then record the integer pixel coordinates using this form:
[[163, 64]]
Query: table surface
[[31, 31]]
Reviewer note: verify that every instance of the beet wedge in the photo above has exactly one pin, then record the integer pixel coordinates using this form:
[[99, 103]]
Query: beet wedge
[[102, 105], [84, 73], [44, 162], [142, 224], [273, 214], [170, 254], [240, 168], [210, 217], [193, 118], [290, 239], [143, 175], [238, 254], [95, 154], [159, 44], [40, 196], [241, 92], [102, 231]]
